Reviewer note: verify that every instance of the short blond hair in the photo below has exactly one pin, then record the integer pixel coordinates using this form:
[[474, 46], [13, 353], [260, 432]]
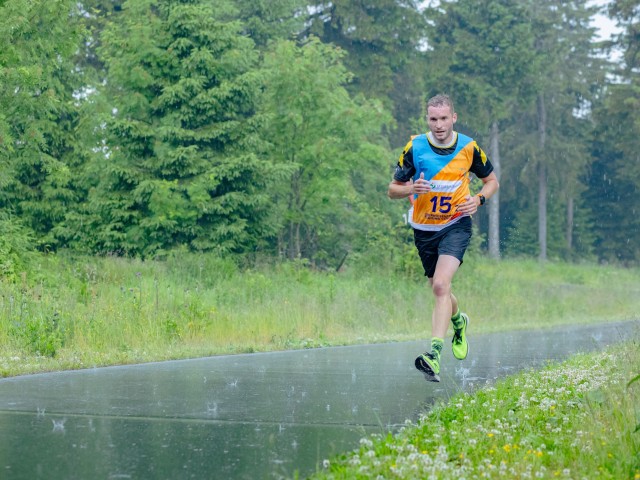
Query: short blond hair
[[440, 100]]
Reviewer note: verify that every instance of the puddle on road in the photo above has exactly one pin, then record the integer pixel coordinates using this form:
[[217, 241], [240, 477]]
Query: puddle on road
[[247, 416]]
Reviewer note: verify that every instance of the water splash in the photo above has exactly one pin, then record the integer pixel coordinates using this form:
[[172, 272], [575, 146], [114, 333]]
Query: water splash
[[58, 425]]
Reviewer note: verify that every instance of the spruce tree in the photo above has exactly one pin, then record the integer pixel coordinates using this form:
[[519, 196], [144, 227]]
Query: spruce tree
[[38, 112], [613, 194], [384, 40], [483, 55], [179, 164]]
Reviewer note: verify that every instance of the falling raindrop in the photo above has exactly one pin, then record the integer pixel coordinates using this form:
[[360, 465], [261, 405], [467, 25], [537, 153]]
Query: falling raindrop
[[462, 372], [58, 425], [212, 408]]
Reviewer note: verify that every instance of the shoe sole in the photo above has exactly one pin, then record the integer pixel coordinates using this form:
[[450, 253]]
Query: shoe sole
[[465, 333], [426, 370]]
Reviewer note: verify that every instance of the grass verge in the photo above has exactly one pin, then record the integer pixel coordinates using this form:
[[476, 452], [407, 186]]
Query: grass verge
[[576, 420], [71, 312]]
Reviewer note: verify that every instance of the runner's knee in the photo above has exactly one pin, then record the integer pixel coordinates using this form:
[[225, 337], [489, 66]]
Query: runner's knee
[[441, 288]]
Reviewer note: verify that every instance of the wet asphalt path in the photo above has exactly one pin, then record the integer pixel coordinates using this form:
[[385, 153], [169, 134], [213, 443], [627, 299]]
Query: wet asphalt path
[[247, 416]]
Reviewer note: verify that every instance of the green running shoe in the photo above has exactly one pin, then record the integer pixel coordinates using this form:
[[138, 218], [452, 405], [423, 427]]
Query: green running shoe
[[429, 365], [459, 343]]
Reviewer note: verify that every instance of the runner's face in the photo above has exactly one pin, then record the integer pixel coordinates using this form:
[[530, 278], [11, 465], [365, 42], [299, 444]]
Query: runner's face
[[441, 120]]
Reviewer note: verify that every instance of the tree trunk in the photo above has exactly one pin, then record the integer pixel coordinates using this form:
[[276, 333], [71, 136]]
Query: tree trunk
[[296, 241], [294, 224], [291, 254], [542, 178], [494, 204], [570, 224], [542, 211]]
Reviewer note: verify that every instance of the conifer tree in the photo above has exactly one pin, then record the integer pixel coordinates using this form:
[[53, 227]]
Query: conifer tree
[[38, 114], [615, 182], [179, 166], [482, 53], [384, 40], [551, 153], [271, 20]]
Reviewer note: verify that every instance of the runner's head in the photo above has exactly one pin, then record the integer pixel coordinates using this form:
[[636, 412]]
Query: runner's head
[[440, 100], [441, 117]]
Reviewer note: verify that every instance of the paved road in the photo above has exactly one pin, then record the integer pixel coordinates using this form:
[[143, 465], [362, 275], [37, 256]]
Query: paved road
[[245, 416]]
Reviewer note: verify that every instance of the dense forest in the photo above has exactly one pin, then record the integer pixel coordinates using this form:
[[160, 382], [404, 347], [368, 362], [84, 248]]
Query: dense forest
[[270, 128]]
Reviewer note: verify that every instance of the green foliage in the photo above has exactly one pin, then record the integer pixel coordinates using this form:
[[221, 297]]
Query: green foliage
[[271, 20], [612, 195], [145, 127], [552, 146], [16, 248], [207, 271], [40, 336], [38, 115], [615, 177], [482, 54], [90, 310], [625, 13], [180, 164], [383, 39], [329, 144], [522, 239]]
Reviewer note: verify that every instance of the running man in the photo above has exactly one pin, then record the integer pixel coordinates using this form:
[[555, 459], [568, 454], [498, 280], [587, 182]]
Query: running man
[[434, 171]]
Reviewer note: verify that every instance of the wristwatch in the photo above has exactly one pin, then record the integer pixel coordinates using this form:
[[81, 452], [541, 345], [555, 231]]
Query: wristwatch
[[482, 199]]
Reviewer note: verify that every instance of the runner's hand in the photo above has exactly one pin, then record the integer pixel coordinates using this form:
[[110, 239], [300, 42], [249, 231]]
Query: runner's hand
[[421, 185], [469, 206]]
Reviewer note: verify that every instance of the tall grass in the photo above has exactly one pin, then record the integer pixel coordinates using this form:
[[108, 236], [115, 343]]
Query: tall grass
[[74, 312], [575, 420]]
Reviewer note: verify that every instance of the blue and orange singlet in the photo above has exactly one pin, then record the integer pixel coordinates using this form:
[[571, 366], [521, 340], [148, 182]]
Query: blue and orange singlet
[[447, 170]]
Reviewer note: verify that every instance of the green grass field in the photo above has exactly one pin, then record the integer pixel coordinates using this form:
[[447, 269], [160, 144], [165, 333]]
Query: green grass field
[[71, 312]]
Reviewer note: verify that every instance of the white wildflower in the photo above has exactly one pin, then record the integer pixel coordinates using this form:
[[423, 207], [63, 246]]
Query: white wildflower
[[365, 442]]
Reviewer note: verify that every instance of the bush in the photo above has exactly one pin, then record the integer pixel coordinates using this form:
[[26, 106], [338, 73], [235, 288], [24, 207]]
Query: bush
[[16, 247]]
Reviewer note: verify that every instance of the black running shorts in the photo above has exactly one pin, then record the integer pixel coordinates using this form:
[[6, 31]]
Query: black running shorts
[[452, 240]]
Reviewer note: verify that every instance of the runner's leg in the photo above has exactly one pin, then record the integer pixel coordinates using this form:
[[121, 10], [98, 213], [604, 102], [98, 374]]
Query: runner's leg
[[446, 268]]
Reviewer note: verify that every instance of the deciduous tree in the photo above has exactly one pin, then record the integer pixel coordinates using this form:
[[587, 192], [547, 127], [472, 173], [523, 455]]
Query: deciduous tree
[[331, 146]]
